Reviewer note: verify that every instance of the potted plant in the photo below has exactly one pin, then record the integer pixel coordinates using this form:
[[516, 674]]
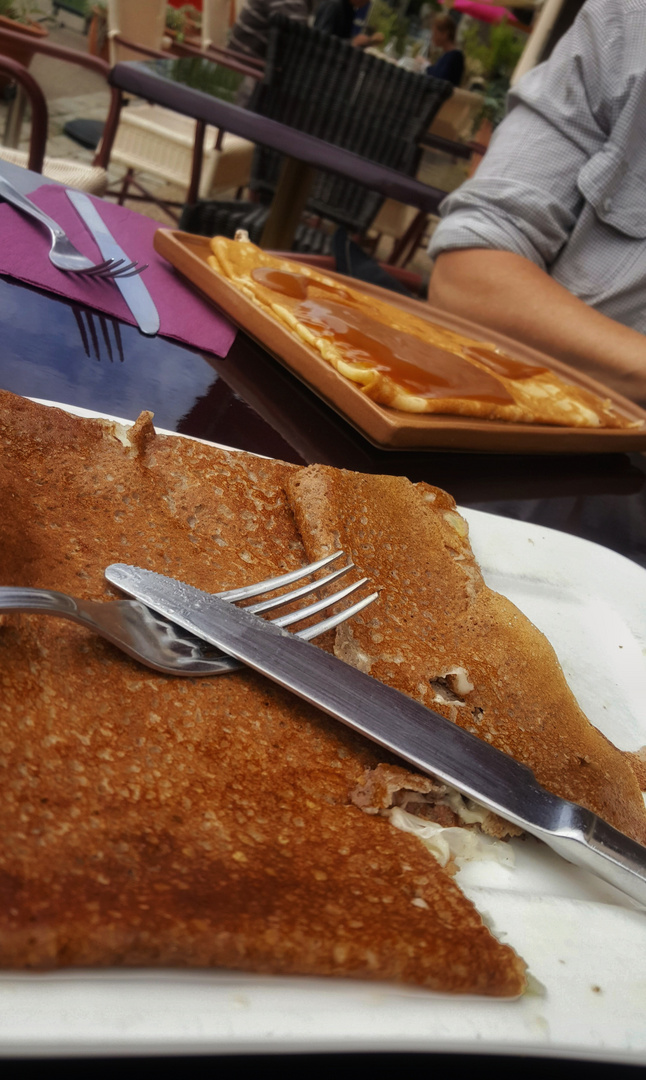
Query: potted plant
[[17, 15], [97, 33], [183, 23]]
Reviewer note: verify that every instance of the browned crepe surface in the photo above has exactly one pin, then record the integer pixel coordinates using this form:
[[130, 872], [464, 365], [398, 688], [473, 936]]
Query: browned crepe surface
[[440, 635], [150, 820]]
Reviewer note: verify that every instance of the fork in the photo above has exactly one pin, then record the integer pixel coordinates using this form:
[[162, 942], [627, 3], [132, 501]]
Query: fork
[[165, 647], [63, 254]]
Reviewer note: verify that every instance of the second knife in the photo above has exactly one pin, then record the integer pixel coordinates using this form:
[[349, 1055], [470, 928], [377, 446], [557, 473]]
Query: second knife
[[132, 289]]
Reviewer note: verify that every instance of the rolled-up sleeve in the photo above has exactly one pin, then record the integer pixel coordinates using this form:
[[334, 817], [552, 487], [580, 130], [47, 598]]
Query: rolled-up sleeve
[[525, 196]]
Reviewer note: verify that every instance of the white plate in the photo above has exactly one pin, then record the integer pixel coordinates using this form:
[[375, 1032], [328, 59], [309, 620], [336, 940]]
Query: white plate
[[584, 943]]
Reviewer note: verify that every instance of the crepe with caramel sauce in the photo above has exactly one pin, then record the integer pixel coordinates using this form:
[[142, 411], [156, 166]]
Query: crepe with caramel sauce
[[402, 360]]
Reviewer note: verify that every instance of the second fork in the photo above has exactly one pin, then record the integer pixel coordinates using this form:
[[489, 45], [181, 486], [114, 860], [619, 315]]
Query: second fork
[[63, 254]]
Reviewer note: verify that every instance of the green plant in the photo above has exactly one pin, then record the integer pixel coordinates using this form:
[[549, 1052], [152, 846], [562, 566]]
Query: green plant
[[497, 52], [494, 102], [21, 11], [392, 24], [493, 56], [182, 21], [221, 82]]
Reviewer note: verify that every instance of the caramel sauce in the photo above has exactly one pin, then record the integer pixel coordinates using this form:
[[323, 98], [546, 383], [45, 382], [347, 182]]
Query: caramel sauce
[[419, 367], [281, 281], [503, 364], [295, 285]]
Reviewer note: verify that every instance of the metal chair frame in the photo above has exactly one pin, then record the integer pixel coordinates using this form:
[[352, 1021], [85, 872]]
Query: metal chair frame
[[39, 111], [59, 52]]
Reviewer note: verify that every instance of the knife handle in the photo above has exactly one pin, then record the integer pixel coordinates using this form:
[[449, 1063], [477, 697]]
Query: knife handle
[[90, 215], [590, 842]]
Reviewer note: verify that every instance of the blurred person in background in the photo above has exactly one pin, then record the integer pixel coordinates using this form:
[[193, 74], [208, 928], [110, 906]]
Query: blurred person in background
[[346, 19], [450, 65]]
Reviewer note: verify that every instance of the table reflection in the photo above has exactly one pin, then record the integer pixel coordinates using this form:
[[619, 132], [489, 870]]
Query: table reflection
[[205, 75]]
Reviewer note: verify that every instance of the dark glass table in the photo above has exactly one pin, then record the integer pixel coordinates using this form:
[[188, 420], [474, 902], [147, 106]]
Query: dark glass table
[[53, 350]]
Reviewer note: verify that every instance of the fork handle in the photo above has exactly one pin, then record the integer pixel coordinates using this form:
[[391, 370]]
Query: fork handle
[[45, 601], [12, 195]]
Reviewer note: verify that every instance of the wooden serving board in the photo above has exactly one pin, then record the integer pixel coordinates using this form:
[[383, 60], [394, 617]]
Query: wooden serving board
[[389, 428]]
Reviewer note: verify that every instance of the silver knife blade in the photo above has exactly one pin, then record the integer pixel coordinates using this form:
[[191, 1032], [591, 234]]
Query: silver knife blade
[[132, 289], [422, 737]]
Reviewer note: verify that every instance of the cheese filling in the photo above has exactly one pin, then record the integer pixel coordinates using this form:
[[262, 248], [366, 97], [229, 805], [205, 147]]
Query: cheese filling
[[451, 843]]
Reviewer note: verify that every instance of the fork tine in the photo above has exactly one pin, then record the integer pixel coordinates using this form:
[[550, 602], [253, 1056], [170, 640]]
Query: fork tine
[[296, 594], [318, 605], [130, 270], [335, 620], [115, 270], [102, 268], [246, 592]]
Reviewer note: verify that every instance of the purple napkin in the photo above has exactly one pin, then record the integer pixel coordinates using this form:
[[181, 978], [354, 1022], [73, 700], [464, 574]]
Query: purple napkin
[[184, 315]]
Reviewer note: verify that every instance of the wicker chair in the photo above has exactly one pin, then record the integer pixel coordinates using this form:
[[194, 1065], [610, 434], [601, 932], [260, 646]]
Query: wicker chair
[[325, 87], [450, 134]]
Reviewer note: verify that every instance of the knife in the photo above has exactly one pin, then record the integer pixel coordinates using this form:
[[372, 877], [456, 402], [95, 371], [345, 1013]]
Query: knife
[[132, 289], [421, 736]]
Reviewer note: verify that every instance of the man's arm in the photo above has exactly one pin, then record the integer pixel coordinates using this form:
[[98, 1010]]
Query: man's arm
[[509, 293], [531, 231]]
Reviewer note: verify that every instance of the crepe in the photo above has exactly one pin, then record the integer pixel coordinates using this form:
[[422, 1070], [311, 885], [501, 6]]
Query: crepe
[[401, 360], [150, 820], [442, 636]]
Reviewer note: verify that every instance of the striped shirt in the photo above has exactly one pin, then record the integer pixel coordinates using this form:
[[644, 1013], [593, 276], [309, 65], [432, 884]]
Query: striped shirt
[[250, 33], [564, 180]]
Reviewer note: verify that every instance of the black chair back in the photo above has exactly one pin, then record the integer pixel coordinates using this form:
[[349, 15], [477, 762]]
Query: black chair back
[[326, 87]]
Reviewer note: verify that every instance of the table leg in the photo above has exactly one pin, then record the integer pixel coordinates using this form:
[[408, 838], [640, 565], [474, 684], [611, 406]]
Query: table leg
[[15, 118], [288, 204], [198, 159], [406, 246]]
